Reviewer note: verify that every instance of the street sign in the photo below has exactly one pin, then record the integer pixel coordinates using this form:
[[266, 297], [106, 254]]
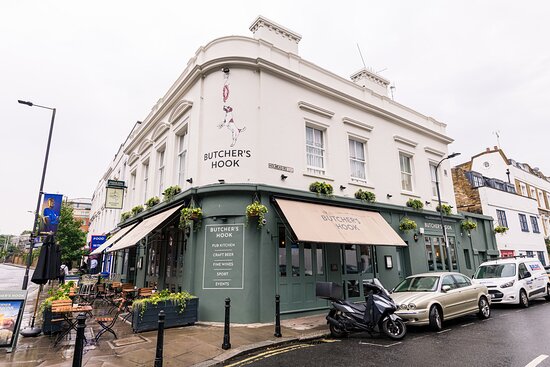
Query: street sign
[[97, 241]]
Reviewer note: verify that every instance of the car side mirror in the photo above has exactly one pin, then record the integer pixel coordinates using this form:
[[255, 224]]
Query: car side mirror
[[446, 288], [526, 275]]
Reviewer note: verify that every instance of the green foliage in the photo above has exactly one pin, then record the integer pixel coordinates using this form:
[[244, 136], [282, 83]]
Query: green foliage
[[125, 215], [367, 196], [152, 202], [188, 215], [445, 209], [137, 209], [501, 229], [60, 292], [321, 188], [170, 192], [256, 210], [71, 239], [468, 225], [178, 298], [407, 224], [415, 204]]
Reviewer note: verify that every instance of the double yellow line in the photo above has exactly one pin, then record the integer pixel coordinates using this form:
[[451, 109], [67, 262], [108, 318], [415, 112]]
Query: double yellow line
[[268, 354]]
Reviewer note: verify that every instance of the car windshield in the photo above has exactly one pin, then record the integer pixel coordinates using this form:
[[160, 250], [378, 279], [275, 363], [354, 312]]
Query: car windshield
[[418, 284], [495, 271]]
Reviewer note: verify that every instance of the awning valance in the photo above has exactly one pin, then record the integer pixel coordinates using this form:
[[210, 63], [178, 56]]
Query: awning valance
[[143, 229], [332, 224], [114, 238]]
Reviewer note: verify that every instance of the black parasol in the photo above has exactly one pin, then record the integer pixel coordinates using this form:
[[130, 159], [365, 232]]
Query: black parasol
[[49, 262]]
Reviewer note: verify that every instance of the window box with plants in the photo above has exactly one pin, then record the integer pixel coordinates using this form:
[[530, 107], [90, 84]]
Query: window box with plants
[[45, 308], [180, 309], [170, 192], [415, 204], [188, 216], [367, 196], [256, 211], [152, 202], [321, 188], [444, 208]]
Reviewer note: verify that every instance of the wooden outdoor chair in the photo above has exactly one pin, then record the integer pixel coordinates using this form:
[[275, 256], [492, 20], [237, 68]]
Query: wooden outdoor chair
[[108, 322], [144, 292], [59, 308]]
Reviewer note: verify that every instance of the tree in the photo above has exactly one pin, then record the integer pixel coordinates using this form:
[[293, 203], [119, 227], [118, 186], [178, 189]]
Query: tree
[[71, 238]]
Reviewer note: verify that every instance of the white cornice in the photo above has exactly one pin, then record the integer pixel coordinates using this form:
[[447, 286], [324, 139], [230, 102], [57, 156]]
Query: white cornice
[[133, 158], [317, 110], [405, 141], [359, 124], [434, 151]]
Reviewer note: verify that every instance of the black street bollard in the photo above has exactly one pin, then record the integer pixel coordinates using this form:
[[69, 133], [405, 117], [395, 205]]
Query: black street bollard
[[160, 340], [278, 316], [226, 344], [79, 342]]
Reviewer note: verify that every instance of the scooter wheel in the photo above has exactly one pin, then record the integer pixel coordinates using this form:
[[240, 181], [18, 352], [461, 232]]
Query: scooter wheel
[[394, 329]]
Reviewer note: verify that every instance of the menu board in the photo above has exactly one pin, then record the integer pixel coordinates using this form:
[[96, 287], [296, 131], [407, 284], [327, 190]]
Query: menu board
[[223, 257], [12, 304]]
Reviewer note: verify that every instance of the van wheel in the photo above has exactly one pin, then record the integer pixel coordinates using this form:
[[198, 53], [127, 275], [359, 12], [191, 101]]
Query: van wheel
[[523, 300], [436, 322], [547, 297], [484, 309]]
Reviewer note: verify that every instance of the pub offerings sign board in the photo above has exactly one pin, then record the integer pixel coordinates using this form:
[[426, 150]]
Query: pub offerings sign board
[[114, 197], [12, 305], [223, 257]]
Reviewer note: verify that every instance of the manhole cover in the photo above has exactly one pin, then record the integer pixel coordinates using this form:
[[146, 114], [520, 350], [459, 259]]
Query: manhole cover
[[128, 341]]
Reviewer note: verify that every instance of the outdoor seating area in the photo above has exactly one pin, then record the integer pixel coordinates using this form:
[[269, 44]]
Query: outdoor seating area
[[105, 301]]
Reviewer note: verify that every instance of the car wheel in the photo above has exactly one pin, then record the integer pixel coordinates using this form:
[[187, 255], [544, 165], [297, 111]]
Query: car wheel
[[436, 321], [484, 308], [547, 297], [523, 300]]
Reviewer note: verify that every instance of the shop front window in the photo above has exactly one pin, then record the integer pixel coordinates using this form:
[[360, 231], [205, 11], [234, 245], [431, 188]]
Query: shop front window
[[356, 268]]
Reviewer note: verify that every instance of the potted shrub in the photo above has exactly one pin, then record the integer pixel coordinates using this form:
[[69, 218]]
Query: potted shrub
[[407, 224], [501, 229], [125, 215], [321, 188], [136, 210], [180, 309], [468, 225], [188, 215], [367, 196], [170, 192], [257, 211], [45, 308], [152, 202], [445, 209], [415, 204]]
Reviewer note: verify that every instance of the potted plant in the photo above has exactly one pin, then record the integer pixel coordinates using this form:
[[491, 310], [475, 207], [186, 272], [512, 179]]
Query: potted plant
[[188, 215], [180, 309], [152, 202], [321, 188], [501, 229], [258, 211], [445, 209], [57, 293], [136, 210], [407, 224], [170, 192], [367, 196], [125, 215], [415, 204], [468, 225]]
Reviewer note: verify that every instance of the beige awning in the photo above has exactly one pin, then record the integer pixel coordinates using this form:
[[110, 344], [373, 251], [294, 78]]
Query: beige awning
[[143, 229], [332, 224], [114, 238]]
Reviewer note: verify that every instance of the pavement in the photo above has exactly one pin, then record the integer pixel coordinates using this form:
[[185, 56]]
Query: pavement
[[196, 345]]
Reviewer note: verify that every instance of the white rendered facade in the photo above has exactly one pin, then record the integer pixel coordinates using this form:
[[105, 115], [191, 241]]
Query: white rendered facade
[[250, 110]]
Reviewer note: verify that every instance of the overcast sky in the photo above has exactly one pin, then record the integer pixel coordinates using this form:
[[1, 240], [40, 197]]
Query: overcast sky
[[479, 66]]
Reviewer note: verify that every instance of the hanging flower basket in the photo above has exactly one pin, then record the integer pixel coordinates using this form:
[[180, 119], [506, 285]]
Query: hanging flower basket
[[258, 211], [501, 229], [468, 225], [407, 224], [189, 215], [445, 209]]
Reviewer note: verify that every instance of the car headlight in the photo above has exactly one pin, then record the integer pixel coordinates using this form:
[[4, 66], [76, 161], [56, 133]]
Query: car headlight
[[403, 307], [412, 306], [508, 284]]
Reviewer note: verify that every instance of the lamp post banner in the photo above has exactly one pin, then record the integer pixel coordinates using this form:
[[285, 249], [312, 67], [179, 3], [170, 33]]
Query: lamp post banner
[[51, 213]]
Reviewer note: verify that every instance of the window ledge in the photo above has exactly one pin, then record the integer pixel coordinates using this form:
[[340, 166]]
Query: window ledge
[[409, 193], [361, 184], [323, 177]]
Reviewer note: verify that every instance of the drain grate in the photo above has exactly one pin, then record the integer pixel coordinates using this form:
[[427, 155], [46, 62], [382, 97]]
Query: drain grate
[[129, 341]]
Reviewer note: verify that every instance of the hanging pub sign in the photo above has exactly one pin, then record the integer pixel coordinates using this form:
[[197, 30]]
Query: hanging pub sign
[[12, 304], [97, 241], [114, 197]]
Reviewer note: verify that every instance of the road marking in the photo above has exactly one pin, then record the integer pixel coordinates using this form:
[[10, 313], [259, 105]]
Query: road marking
[[519, 311], [536, 361], [444, 331], [329, 340], [267, 354], [380, 345], [471, 323]]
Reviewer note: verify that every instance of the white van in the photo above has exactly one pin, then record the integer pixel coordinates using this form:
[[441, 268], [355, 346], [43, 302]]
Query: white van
[[514, 280]]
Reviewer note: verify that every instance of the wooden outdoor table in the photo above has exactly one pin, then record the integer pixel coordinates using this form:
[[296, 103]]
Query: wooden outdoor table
[[67, 313]]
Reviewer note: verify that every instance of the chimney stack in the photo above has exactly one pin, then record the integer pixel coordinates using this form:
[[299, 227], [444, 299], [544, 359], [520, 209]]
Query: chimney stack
[[277, 35]]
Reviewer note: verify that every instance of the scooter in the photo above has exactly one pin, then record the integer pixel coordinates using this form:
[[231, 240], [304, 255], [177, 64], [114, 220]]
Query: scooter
[[376, 315]]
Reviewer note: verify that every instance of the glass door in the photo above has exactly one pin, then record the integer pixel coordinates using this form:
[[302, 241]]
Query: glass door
[[357, 266], [436, 253]]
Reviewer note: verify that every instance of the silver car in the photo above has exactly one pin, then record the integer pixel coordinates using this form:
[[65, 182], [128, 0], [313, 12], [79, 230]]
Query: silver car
[[430, 298]]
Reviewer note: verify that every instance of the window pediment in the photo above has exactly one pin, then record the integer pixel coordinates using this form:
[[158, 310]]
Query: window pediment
[[146, 144], [133, 158], [181, 108], [160, 130]]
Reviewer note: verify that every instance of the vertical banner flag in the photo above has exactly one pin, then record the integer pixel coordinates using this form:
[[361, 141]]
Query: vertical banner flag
[[51, 212]]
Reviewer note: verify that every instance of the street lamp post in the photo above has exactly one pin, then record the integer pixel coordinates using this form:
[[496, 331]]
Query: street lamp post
[[36, 227], [445, 239]]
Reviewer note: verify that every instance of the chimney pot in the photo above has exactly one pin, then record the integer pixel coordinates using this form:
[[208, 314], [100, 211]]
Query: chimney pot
[[496, 148]]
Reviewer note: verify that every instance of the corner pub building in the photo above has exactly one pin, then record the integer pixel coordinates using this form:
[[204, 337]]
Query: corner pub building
[[247, 120]]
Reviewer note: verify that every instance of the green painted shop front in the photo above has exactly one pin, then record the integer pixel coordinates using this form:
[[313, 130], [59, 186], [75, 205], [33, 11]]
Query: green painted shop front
[[226, 256]]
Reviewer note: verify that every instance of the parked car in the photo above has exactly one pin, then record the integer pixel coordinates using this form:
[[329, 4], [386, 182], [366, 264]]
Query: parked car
[[431, 298], [515, 280]]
